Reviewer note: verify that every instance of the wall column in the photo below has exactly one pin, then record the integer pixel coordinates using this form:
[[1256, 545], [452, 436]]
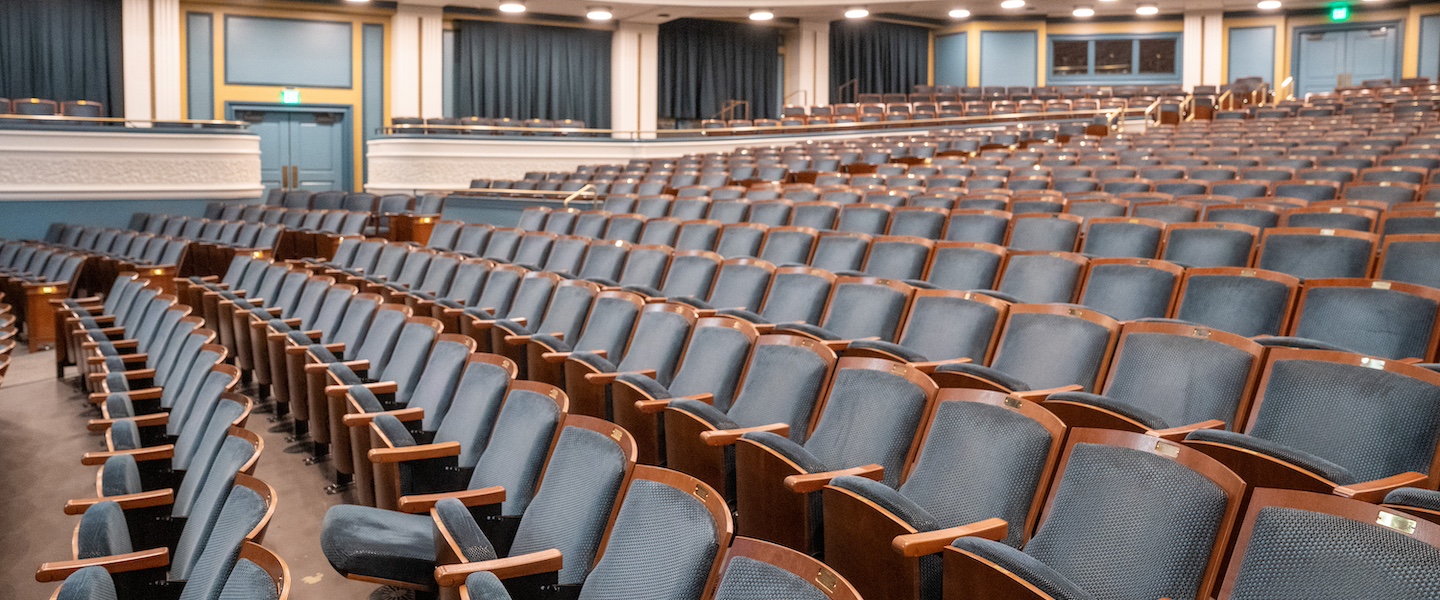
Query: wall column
[[634, 78], [405, 61], [166, 35], [1202, 44], [135, 58], [807, 63]]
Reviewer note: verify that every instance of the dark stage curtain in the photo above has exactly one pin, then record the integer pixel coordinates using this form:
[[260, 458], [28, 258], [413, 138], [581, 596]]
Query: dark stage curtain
[[887, 58], [61, 50], [704, 63], [532, 72]]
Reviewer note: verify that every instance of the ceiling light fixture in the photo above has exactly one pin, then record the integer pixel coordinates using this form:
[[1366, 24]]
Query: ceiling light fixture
[[512, 6], [1147, 10], [1083, 12], [761, 14], [856, 13], [599, 13], [1013, 4], [959, 13], [1268, 5]]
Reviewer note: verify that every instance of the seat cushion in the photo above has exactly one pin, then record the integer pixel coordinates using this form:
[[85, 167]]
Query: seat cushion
[[120, 476], [485, 586], [1135, 413], [790, 450], [597, 362], [380, 543], [986, 373], [1319, 466], [344, 375], [124, 435], [706, 413], [1025, 566], [889, 499], [645, 384], [806, 329], [891, 348], [1416, 497], [89, 583]]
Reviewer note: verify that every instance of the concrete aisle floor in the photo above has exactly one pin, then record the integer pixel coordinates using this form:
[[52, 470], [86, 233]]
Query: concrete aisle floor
[[42, 435]]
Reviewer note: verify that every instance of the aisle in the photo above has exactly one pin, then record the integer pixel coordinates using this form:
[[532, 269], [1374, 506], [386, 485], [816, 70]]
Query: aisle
[[42, 435]]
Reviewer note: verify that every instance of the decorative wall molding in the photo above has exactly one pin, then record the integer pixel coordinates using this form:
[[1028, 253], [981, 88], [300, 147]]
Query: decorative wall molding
[[118, 165]]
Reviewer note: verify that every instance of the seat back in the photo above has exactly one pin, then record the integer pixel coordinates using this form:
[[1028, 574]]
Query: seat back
[[871, 415], [1045, 231], [604, 260], [1041, 277], [691, 274], [788, 245], [865, 307], [1184, 374], [1316, 253], [506, 285], [1373, 317], [840, 251], [475, 405], [529, 420], [472, 239], [1048, 346], [1131, 288], [566, 253], [965, 265], [896, 257], [741, 284], [797, 295], [659, 336], [645, 266], [1210, 244], [1123, 238], [1411, 258], [1247, 302], [978, 225], [946, 325]]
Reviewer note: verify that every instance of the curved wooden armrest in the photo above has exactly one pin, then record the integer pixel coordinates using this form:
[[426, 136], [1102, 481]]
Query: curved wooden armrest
[[149, 499], [557, 357], [608, 378], [273, 310], [1375, 491], [814, 482], [95, 459], [116, 343], [534, 563], [120, 563], [150, 420], [1176, 434], [728, 437], [291, 322], [930, 365], [518, 340], [652, 407], [151, 393], [402, 414], [1038, 395], [915, 545], [420, 504], [129, 359], [409, 453], [381, 387]]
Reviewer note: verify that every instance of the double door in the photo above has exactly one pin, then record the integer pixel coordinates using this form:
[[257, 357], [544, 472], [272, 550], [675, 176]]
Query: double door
[[1345, 57], [301, 149]]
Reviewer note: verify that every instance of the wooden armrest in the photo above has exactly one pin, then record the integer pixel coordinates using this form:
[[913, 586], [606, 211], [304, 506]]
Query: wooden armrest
[[355, 365], [658, 406], [557, 357], [129, 359], [151, 393], [150, 420], [409, 453], [915, 545], [1175, 434], [727, 437], [1375, 491], [1038, 395], [403, 414], [155, 558], [149, 499], [164, 451], [608, 378], [534, 563], [814, 482], [422, 503], [931, 365], [116, 343]]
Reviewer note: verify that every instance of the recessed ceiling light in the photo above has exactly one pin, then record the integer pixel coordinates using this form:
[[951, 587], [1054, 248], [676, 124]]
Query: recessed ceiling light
[[1268, 5], [512, 6], [1012, 4], [959, 13], [1147, 9], [856, 13], [599, 13], [761, 15], [1083, 11]]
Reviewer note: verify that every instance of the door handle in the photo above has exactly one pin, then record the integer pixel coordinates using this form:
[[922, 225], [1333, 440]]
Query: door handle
[[284, 177], [295, 176]]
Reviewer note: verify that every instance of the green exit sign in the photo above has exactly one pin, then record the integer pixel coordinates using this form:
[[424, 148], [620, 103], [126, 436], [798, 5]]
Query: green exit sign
[[1340, 13], [289, 96]]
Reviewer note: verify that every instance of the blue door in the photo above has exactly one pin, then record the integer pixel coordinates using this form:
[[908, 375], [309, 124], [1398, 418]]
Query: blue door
[[1326, 58], [301, 149]]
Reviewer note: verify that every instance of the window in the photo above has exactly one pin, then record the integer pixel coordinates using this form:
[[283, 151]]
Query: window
[[1152, 59]]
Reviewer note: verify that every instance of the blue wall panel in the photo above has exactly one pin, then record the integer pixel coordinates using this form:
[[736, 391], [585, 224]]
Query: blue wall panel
[[1008, 57], [952, 56], [1430, 47], [200, 64], [289, 52], [1252, 53], [30, 220], [373, 82]]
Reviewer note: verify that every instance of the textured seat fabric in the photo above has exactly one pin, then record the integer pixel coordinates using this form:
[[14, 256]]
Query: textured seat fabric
[[1316, 256], [248, 581], [656, 344], [714, 360], [962, 268], [1209, 247], [1049, 581], [1140, 415], [379, 543], [859, 311], [1047, 350], [1310, 462], [595, 361], [1040, 278], [1128, 292], [869, 417], [1301, 343], [1109, 534], [707, 413], [120, 476], [891, 348], [89, 583], [1376, 322], [647, 385], [1173, 380], [661, 547], [1212, 301], [1296, 554], [907, 510], [102, 532], [516, 452], [807, 329], [1122, 239], [792, 451], [484, 585], [474, 410], [205, 511], [243, 511], [747, 579]]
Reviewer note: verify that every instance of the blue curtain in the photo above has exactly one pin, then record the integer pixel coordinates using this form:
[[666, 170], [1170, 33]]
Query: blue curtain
[[704, 63], [61, 50], [886, 58], [525, 71]]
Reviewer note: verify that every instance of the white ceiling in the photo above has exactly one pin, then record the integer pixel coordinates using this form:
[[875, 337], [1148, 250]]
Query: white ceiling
[[656, 11]]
